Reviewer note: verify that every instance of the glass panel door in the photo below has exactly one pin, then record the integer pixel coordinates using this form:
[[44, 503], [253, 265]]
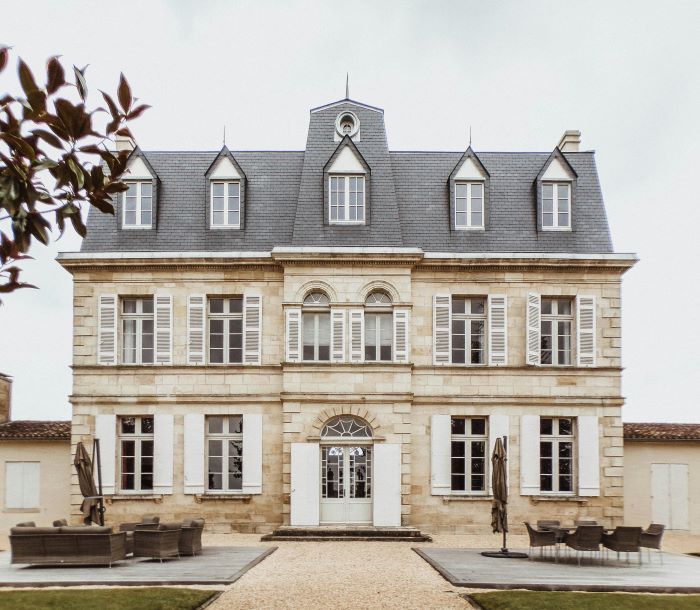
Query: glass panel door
[[346, 484]]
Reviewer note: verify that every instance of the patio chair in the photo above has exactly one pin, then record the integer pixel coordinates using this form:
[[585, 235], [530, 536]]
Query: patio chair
[[542, 539], [586, 539], [191, 537], [160, 543], [651, 539], [146, 523], [624, 540]]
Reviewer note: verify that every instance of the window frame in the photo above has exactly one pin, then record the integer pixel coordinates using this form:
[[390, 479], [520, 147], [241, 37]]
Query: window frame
[[555, 440], [555, 184], [467, 439], [138, 437], [139, 205], [468, 200], [227, 197], [139, 317], [468, 318], [346, 202], [554, 319], [226, 317], [315, 309], [225, 438]]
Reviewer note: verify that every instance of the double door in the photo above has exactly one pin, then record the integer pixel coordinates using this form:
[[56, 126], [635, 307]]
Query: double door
[[346, 484]]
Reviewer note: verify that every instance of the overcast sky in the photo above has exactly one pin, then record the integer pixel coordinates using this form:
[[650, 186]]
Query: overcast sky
[[520, 73]]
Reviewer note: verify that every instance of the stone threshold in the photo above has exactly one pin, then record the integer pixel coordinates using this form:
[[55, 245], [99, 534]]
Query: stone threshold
[[366, 533]]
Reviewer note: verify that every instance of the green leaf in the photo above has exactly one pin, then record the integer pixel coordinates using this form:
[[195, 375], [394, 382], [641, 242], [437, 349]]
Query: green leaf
[[124, 93], [45, 164], [78, 225], [80, 82], [77, 172], [56, 77], [26, 78]]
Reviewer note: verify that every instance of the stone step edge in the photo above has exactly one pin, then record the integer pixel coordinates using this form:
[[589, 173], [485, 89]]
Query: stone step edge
[[276, 538]]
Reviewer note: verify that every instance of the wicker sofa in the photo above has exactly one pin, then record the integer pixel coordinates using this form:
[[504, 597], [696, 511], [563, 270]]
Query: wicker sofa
[[77, 545], [191, 537]]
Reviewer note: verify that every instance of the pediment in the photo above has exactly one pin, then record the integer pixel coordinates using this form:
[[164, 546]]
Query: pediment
[[557, 168], [469, 167], [224, 169], [347, 162], [137, 169]]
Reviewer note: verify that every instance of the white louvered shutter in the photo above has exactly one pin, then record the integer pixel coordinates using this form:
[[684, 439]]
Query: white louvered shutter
[[106, 431], [440, 455], [163, 306], [107, 329], [305, 483], [252, 328], [585, 330], [357, 335], [529, 455], [498, 428], [194, 453], [532, 343], [338, 335], [442, 335], [293, 331], [252, 453], [196, 328], [401, 341], [498, 330], [386, 487], [588, 456], [163, 430]]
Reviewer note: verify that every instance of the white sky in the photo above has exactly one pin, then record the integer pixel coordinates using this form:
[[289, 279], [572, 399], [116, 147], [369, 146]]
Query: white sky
[[625, 73]]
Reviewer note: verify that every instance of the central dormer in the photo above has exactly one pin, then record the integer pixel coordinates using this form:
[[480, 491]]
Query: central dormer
[[346, 179]]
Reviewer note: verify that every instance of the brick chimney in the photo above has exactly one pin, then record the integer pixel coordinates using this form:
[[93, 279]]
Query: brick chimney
[[570, 141], [124, 143]]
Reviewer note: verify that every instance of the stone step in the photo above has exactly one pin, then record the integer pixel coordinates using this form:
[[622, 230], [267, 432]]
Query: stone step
[[349, 533]]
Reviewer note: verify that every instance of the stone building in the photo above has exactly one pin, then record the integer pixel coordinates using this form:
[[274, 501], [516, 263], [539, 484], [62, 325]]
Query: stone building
[[339, 334]]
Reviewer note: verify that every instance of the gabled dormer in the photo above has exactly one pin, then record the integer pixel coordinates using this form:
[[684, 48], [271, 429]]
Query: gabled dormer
[[346, 179], [225, 197], [139, 203], [469, 190], [556, 192]]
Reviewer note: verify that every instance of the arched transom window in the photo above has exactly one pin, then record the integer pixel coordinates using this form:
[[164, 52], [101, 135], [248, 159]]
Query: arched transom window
[[316, 299], [346, 426], [378, 298]]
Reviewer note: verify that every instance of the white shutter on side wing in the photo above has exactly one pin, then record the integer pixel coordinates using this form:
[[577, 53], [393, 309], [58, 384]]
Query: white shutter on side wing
[[357, 335], [196, 325], [401, 329], [498, 330], [163, 430], [293, 331], [498, 428], [338, 335], [532, 343], [588, 456], [252, 453], [252, 328], [440, 455], [107, 329], [529, 455], [585, 330], [442, 335], [194, 453], [387, 485], [106, 432], [305, 484], [163, 306]]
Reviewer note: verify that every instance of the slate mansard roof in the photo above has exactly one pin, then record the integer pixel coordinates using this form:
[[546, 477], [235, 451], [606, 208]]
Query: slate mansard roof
[[408, 200]]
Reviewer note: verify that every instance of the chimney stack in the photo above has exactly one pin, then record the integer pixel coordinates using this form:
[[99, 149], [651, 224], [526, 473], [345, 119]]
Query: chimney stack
[[124, 143], [570, 141]]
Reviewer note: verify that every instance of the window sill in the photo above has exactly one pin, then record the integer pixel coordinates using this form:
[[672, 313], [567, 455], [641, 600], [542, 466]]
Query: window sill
[[136, 228], [470, 228], [156, 498], [466, 498], [21, 510], [554, 498], [556, 229], [346, 223], [224, 227], [199, 498]]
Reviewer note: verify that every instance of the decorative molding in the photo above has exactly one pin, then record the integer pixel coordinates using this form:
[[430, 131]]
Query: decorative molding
[[354, 410], [245, 498], [381, 285], [155, 498], [573, 499], [464, 498]]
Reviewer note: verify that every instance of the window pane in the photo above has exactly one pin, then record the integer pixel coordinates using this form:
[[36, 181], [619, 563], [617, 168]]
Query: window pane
[[477, 191], [478, 451], [458, 356], [147, 448], [235, 305], [128, 427], [146, 189], [233, 218], [458, 482], [547, 191], [565, 427], [216, 305], [564, 307], [370, 352], [461, 190], [458, 327], [546, 483], [235, 424], [370, 330], [216, 426], [130, 218], [218, 218], [548, 220], [129, 341], [458, 465], [461, 219], [546, 425], [563, 191], [478, 426], [147, 305], [235, 449], [147, 425], [477, 219], [563, 220], [218, 189], [458, 425], [129, 306], [458, 305], [132, 190], [546, 306]]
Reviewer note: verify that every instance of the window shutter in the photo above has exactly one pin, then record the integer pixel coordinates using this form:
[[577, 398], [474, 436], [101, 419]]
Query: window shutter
[[107, 329], [194, 453], [498, 330], [252, 328], [387, 485], [440, 455], [338, 335], [588, 456], [529, 455], [22, 485], [401, 342], [533, 329], [252, 453], [585, 330], [163, 430], [164, 328], [498, 428], [196, 324], [294, 334], [106, 431], [305, 484], [357, 335], [442, 335]]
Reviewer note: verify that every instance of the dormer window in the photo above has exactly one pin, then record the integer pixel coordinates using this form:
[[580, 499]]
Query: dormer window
[[138, 205], [347, 199], [225, 204], [556, 205], [469, 205]]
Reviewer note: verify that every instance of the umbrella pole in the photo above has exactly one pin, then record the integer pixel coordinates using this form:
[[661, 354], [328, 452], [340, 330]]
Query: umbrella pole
[[96, 459]]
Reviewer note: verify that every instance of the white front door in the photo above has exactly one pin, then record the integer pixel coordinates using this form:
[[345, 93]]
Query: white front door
[[669, 495], [346, 484]]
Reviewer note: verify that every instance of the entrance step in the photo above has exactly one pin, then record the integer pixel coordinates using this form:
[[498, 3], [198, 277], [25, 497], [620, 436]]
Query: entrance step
[[347, 532]]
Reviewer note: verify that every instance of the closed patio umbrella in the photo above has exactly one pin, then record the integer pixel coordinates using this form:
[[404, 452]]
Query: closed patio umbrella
[[91, 498], [499, 507]]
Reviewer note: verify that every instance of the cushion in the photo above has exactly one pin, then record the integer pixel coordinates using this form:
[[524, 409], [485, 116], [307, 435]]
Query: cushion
[[170, 526], [197, 522], [150, 519], [60, 522], [35, 530], [188, 523], [85, 529], [26, 524]]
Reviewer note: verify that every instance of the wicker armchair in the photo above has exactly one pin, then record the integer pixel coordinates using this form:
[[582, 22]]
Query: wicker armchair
[[191, 537], [651, 539], [586, 539], [624, 540], [160, 543], [542, 539]]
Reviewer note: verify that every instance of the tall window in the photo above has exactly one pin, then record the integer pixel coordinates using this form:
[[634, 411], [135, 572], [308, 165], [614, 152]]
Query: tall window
[[136, 453], [316, 321], [138, 205], [225, 452], [555, 332], [469, 439], [469, 205], [379, 327], [468, 330], [347, 199], [226, 330], [226, 204], [137, 330], [557, 454], [556, 205]]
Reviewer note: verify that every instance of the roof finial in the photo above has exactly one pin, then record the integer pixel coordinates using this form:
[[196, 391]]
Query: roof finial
[[470, 136], [224, 135], [347, 85]]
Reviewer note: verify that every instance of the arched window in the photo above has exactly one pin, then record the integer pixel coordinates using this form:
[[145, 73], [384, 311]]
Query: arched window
[[378, 298], [379, 327], [346, 426], [316, 299], [316, 321]]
